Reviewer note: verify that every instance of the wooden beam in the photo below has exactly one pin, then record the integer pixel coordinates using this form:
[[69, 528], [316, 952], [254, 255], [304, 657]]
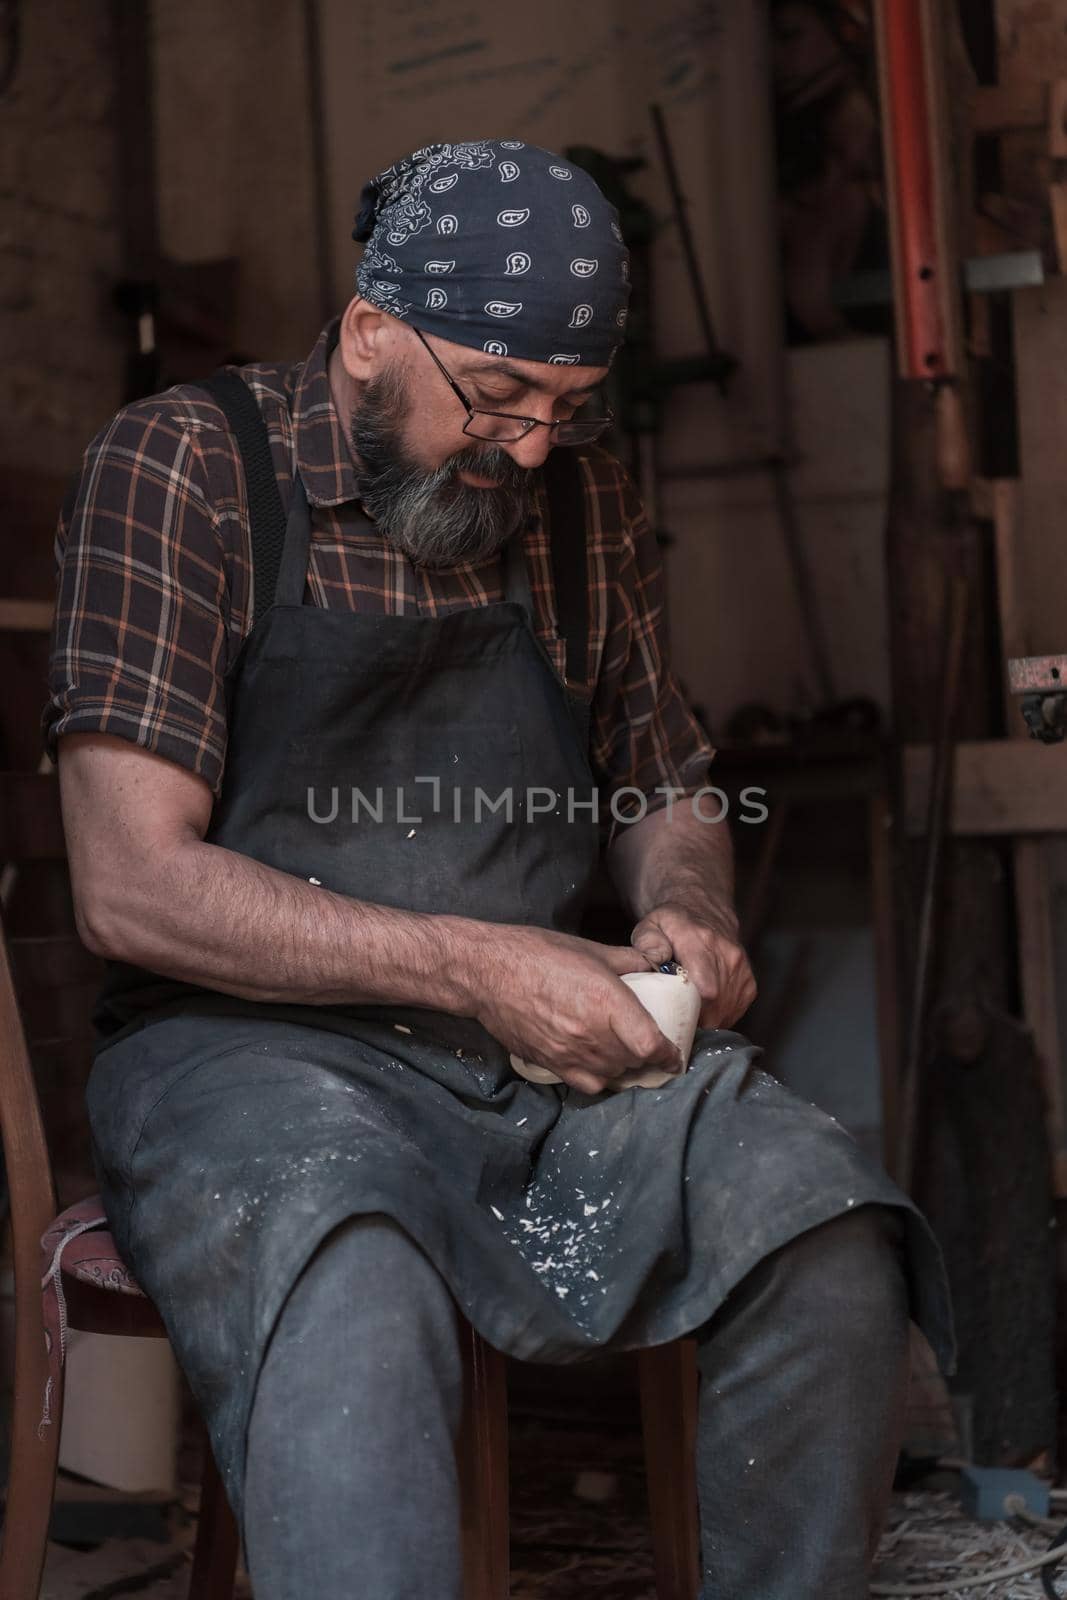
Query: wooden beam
[[1039, 322], [1035, 892], [1001, 786]]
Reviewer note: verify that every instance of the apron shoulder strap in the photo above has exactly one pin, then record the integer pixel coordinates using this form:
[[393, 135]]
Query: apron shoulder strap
[[570, 575], [265, 510], [566, 510]]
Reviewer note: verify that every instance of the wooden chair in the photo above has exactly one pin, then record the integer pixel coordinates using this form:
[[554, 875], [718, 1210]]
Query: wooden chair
[[75, 1253]]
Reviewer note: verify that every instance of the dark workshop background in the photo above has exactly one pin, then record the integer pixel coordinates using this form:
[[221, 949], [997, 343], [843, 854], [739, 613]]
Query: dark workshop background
[[177, 184]]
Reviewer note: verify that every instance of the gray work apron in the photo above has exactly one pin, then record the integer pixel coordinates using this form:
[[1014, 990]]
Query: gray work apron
[[231, 1137]]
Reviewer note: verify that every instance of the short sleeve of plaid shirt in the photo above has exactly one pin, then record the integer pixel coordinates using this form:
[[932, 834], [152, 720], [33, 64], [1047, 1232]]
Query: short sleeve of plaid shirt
[[644, 737], [139, 637]]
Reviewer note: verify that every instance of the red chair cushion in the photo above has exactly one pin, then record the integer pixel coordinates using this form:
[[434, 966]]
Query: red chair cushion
[[91, 1255]]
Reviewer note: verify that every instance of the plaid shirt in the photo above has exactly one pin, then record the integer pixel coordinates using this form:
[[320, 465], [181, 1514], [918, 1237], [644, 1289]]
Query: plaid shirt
[[154, 592]]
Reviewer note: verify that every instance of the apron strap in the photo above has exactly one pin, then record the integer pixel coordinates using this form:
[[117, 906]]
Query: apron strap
[[516, 579], [265, 509], [566, 511], [292, 579], [570, 571]]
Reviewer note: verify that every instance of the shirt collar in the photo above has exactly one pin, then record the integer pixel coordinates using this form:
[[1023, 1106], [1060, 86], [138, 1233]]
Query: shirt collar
[[323, 456]]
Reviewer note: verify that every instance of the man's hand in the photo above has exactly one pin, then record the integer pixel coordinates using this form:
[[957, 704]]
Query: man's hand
[[708, 949], [557, 1001]]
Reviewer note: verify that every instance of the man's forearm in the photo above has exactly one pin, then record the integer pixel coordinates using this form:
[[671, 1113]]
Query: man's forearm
[[675, 870], [211, 916], [672, 857]]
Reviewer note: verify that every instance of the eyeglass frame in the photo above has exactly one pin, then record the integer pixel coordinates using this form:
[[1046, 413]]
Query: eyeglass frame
[[530, 422]]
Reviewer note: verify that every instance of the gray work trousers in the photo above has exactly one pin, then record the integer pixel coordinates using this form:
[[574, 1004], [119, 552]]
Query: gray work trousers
[[351, 1490]]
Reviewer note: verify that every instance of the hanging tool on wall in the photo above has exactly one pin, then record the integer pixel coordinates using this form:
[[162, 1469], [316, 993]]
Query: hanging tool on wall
[[939, 806], [721, 365]]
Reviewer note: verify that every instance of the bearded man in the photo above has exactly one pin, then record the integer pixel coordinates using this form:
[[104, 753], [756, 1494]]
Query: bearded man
[[341, 654]]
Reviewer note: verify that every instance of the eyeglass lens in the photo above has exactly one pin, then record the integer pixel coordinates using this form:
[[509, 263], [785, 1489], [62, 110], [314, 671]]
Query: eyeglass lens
[[505, 430]]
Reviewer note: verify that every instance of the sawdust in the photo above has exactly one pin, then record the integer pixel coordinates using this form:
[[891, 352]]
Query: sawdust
[[928, 1536]]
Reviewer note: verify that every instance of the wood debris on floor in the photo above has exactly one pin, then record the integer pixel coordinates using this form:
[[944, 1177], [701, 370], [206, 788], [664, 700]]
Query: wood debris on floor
[[580, 1528], [567, 1544], [928, 1537]]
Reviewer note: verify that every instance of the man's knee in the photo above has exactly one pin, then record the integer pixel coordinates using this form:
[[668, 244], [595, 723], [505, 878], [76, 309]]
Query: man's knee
[[838, 1291], [384, 1285], [846, 1278]]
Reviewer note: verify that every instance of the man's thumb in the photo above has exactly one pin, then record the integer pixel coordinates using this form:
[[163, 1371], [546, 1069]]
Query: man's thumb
[[652, 942]]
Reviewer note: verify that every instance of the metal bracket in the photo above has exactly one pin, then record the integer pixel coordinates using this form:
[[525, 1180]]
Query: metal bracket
[[1041, 682]]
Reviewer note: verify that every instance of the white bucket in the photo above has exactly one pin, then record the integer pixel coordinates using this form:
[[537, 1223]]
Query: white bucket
[[121, 1412]]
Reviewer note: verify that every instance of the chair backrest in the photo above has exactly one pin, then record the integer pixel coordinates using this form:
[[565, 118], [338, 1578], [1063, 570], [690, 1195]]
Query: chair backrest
[[55, 977], [31, 829], [29, 812], [45, 983]]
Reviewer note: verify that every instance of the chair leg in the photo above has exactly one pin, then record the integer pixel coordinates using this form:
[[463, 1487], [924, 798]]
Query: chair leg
[[31, 1483], [483, 1469], [215, 1555], [669, 1382]]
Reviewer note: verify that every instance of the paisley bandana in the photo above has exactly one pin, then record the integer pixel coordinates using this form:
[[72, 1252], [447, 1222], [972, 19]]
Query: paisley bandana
[[498, 245]]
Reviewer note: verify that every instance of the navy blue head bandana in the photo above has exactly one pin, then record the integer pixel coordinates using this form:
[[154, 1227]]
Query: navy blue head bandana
[[498, 245]]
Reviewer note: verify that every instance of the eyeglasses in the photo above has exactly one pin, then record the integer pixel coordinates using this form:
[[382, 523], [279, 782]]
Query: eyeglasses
[[503, 427]]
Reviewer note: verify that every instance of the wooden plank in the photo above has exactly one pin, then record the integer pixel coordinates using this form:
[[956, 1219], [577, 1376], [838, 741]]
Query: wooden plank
[[1039, 319], [1001, 786]]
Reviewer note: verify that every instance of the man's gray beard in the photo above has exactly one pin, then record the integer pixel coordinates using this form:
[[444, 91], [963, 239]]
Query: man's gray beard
[[433, 518]]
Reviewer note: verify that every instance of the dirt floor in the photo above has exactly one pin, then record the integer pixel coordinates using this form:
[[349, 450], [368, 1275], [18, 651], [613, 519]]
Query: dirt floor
[[579, 1524]]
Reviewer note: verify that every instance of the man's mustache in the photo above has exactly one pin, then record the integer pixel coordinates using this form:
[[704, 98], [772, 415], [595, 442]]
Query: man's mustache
[[494, 464]]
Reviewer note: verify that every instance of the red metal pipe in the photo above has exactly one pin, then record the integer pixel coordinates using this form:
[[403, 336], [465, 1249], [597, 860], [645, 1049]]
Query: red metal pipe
[[921, 334]]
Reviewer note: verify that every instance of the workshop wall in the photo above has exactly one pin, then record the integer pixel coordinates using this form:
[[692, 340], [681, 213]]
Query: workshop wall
[[234, 160], [61, 370], [423, 70]]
